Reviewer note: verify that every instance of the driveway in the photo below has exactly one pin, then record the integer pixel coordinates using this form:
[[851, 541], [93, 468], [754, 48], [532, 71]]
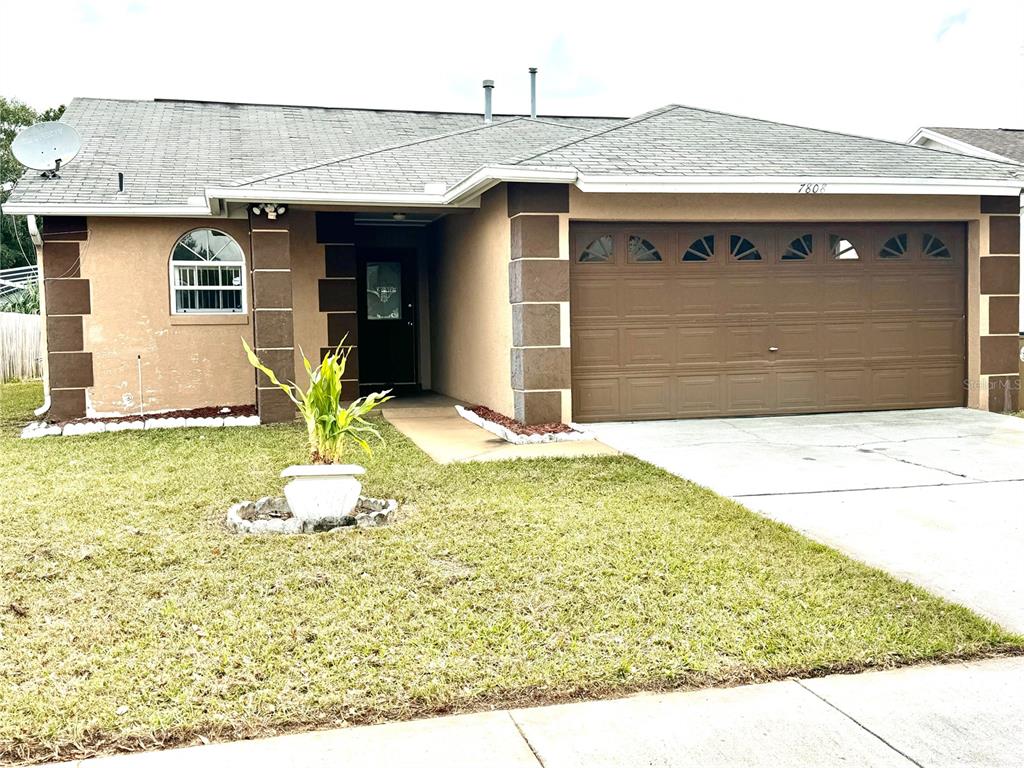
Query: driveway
[[932, 496]]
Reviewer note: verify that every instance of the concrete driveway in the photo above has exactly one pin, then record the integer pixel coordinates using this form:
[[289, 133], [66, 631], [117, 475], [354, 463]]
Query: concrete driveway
[[932, 496]]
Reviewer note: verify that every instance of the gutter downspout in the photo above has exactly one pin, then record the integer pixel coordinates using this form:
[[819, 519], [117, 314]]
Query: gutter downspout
[[37, 243]]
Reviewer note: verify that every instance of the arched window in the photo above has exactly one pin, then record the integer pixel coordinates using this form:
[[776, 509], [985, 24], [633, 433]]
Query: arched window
[[598, 250], [842, 249], [894, 248], [933, 248], [799, 249], [742, 249], [701, 249], [641, 250], [207, 274]]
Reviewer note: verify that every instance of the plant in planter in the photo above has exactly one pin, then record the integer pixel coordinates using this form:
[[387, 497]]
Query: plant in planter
[[326, 488]]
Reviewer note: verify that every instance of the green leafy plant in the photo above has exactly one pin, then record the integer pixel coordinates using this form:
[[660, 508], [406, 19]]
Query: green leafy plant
[[330, 425], [25, 301]]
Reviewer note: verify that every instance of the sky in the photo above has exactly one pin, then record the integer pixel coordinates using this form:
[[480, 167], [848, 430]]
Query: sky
[[872, 68]]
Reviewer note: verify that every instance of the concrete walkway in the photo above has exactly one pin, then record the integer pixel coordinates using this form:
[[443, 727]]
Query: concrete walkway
[[935, 497], [431, 421], [952, 715]]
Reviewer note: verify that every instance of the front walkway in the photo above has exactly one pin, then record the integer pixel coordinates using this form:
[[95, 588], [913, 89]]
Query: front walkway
[[957, 714], [431, 421], [935, 496]]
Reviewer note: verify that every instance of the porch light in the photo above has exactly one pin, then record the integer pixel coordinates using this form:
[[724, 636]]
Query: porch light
[[273, 210], [398, 216]]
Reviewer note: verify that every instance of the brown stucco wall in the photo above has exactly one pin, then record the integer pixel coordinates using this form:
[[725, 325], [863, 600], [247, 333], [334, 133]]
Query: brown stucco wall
[[187, 362], [471, 318]]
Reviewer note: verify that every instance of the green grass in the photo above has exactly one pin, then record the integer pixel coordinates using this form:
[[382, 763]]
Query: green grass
[[131, 619]]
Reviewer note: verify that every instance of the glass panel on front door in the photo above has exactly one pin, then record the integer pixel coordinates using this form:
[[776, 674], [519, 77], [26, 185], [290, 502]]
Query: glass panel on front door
[[383, 290]]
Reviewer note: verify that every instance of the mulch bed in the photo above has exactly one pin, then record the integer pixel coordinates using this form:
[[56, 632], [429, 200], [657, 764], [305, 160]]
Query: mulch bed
[[555, 427], [207, 412]]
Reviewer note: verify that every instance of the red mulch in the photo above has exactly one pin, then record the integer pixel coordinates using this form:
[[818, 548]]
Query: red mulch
[[185, 413], [555, 427]]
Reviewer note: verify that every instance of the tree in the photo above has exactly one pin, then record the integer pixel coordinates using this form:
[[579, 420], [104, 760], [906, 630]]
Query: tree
[[15, 244]]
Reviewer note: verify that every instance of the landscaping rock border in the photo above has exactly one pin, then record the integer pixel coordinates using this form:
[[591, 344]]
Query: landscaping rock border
[[271, 514], [508, 435], [156, 421]]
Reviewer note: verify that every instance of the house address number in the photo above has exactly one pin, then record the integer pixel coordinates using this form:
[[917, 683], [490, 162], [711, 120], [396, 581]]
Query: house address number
[[811, 188]]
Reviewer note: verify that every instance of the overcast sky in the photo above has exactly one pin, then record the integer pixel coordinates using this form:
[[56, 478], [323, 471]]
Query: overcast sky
[[874, 68]]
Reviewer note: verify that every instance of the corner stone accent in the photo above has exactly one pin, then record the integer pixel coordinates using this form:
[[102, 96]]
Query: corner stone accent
[[67, 299], [538, 287], [1001, 363], [337, 291], [273, 328]]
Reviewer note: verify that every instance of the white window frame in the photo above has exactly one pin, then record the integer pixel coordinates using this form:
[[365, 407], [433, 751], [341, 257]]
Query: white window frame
[[174, 288]]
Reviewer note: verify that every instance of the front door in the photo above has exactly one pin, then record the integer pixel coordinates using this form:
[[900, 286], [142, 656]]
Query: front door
[[387, 319]]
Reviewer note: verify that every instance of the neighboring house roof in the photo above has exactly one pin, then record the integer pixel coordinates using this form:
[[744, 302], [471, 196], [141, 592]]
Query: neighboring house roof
[[181, 157], [993, 143]]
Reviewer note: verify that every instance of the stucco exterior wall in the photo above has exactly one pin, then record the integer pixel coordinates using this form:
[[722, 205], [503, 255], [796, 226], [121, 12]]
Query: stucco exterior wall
[[187, 361], [471, 319]]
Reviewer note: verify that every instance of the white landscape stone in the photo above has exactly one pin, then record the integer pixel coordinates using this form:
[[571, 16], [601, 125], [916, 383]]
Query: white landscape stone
[[40, 429], [124, 426], [511, 437], [83, 428]]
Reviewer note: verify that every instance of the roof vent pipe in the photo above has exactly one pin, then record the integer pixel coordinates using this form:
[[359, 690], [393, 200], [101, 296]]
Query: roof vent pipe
[[533, 91], [488, 87]]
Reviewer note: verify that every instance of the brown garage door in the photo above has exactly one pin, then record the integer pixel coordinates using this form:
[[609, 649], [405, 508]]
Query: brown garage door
[[674, 320]]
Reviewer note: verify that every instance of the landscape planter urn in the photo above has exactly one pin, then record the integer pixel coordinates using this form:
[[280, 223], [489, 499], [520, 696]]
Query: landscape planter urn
[[322, 491]]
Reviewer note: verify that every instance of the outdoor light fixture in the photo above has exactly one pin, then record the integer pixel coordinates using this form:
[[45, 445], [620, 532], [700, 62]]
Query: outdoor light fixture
[[273, 210], [398, 216]]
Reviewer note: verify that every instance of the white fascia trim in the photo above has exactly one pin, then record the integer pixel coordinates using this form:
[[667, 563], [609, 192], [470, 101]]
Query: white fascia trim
[[51, 209], [489, 176], [960, 147], [798, 185], [294, 197]]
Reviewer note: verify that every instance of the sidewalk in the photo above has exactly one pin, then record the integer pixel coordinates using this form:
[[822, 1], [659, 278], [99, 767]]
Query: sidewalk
[[956, 714]]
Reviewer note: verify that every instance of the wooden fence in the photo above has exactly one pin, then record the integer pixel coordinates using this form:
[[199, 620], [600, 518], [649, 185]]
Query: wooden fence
[[21, 349]]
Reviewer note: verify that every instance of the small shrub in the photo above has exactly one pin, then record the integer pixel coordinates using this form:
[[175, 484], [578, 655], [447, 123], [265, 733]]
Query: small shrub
[[331, 427]]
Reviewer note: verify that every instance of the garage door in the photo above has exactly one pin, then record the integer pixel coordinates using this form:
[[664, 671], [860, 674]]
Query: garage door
[[673, 320]]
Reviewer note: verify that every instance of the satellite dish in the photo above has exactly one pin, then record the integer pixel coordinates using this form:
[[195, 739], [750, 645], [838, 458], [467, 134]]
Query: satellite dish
[[46, 147]]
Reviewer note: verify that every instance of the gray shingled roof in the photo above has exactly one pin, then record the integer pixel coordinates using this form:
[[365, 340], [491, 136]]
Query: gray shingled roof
[[682, 141], [171, 151], [1005, 142]]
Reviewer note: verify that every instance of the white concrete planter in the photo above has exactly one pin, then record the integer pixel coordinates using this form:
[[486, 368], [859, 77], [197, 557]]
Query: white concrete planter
[[322, 491]]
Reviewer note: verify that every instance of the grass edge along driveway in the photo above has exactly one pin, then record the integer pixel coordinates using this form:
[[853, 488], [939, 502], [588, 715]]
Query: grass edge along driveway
[[131, 619]]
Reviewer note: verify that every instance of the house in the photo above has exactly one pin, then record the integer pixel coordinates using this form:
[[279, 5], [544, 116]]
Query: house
[[680, 263]]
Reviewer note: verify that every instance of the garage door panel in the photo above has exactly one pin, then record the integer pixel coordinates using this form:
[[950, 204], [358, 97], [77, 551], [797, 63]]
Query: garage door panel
[[696, 296], [892, 293], [645, 299], [939, 293], [748, 393], [698, 395], [594, 399], [796, 342], [595, 299], [891, 339], [940, 338], [744, 296], [795, 295], [699, 346], [595, 347], [797, 390], [844, 341], [746, 344], [892, 387], [845, 389], [647, 347], [843, 294], [692, 338], [649, 397], [941, 385]]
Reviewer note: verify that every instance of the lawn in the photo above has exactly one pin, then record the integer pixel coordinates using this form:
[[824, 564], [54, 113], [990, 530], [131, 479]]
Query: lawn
[[130, 619]]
